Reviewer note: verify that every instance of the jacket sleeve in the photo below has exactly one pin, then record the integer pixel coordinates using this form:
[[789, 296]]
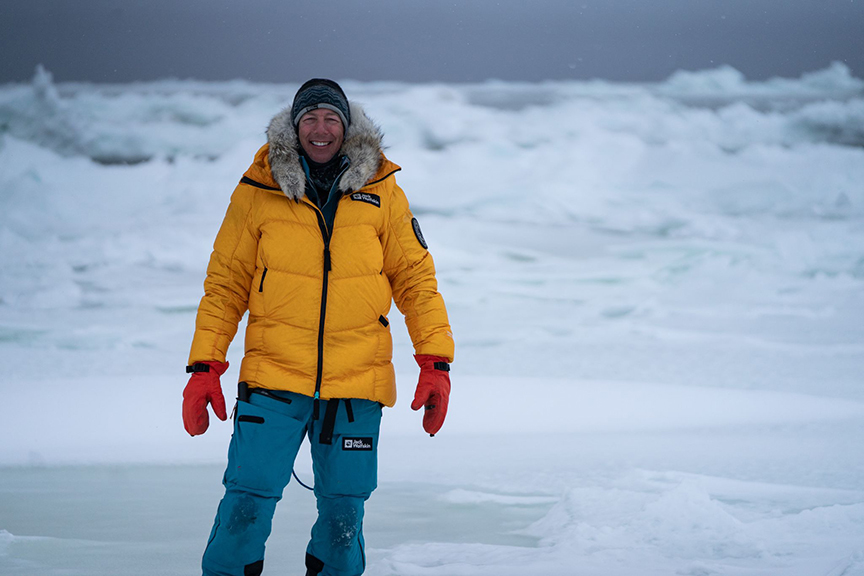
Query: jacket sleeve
[[229, 278], [411, 271]]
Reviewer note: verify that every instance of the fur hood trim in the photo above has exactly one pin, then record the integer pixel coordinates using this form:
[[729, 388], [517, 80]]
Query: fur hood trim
[[362, 145]]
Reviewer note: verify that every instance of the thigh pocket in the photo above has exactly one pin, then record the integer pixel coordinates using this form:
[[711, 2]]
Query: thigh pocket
[[349, 466], [262, 450]]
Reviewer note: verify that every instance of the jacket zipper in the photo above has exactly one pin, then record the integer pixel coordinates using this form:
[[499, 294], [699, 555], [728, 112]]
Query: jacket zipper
[[326, 235], [326, 280], [263, 275]]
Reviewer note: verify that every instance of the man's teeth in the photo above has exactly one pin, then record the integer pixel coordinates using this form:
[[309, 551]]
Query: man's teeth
[[320, 143]]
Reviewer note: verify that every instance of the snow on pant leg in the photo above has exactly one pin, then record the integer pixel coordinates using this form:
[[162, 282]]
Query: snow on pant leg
[[346, 473], [267, 435]]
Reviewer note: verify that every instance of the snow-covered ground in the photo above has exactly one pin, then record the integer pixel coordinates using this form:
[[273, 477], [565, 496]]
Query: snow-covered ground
[[657, 294]]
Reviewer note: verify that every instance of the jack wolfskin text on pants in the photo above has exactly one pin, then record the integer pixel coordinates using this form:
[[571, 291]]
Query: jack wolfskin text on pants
[[268, 431]]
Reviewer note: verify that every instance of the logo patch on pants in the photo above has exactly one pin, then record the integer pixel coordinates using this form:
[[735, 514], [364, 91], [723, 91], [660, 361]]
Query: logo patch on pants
[[357, 443]]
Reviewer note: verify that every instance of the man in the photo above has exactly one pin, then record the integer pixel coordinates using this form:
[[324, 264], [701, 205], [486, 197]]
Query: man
[[317, 241]]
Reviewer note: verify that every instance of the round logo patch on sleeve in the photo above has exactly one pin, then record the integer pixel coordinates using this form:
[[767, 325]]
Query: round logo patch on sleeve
[[418, 233]]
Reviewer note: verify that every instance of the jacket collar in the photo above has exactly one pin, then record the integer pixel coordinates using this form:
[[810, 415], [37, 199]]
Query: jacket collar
[[362, 146]]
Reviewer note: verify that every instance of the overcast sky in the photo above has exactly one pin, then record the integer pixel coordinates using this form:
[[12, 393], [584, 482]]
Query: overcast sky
[[424, 40]]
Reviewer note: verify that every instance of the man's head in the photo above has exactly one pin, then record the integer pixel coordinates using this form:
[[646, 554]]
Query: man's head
[[321, 116]]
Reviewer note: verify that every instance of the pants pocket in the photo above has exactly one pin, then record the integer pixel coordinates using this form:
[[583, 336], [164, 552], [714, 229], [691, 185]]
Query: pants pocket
[[349, 465], [263, 447]]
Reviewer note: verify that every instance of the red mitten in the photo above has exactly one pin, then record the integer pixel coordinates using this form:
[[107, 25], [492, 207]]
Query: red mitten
[[203, 388], [433, 391]]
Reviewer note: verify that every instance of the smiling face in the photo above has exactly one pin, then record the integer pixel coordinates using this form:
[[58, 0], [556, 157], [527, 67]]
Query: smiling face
[[321, 132]]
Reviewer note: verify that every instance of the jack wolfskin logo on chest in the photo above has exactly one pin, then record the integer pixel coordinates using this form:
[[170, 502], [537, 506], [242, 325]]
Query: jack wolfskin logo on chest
[[357, 443], [373, 199]]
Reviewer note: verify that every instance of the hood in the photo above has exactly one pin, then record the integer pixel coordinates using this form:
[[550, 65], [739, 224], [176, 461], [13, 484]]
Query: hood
[[362, 145]]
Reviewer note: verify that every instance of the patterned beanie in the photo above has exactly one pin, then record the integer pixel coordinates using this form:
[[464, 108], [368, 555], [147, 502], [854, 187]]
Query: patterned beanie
[[320, 93]]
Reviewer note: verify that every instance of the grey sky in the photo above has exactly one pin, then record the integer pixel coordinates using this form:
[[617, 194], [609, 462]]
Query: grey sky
[[424, 40]]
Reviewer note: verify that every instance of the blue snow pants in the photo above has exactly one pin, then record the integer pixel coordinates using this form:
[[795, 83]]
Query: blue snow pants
[[268, 431]]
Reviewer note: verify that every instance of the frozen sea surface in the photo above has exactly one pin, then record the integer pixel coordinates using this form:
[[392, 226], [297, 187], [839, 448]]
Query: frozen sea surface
[[657, 293], [753, 499]]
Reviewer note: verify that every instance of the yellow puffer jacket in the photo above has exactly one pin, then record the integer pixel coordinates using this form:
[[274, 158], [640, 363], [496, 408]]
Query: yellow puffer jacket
[[316, 325]]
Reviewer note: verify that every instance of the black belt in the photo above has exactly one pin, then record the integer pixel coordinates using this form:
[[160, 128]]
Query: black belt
[[329, 422]]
